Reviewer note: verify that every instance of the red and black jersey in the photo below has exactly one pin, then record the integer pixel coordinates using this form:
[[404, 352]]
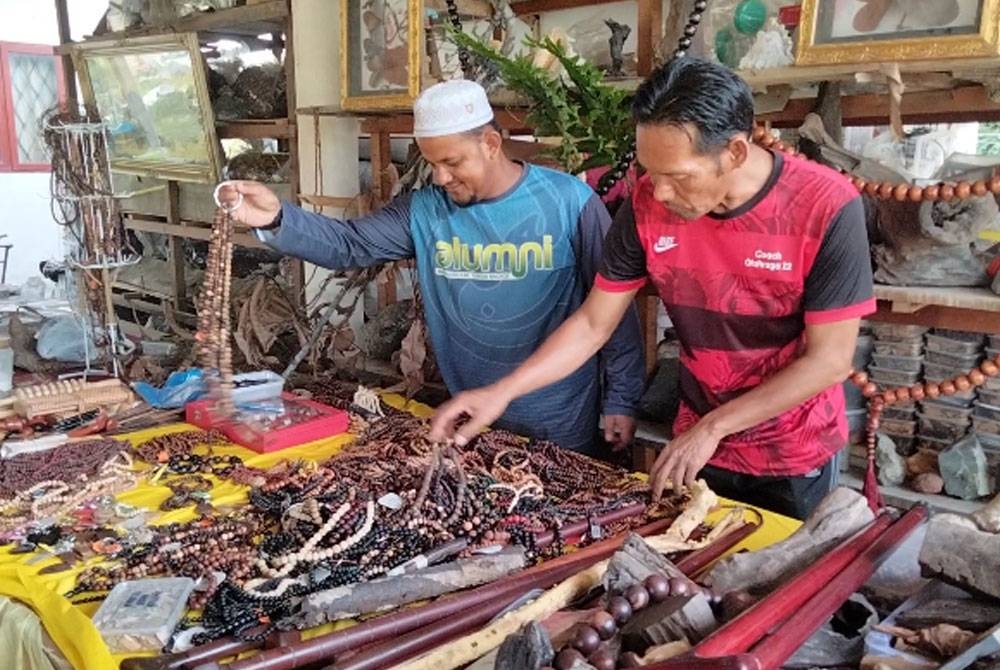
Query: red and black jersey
[[739, 288]]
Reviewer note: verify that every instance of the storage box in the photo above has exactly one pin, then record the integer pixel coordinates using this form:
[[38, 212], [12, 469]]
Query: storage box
[[935, 409], [950, 345], [892, 378], [286, 422], [958, 363], [943, 428], [901, 348], [897, 331], [901, 363]]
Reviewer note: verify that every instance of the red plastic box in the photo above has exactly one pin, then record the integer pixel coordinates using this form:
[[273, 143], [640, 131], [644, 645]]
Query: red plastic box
[[328, 422]]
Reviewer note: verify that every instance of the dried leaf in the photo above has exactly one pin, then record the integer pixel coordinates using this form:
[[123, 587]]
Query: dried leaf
[[413, 353]]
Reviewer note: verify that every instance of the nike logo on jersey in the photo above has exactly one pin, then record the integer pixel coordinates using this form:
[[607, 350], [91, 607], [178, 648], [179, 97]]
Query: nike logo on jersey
[[665, 243]]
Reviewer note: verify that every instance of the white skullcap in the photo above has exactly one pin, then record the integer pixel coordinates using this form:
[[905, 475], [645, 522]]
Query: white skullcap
[[451, 107]]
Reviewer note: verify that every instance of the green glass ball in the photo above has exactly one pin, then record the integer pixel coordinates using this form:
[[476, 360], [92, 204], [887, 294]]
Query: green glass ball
[[750, 16]]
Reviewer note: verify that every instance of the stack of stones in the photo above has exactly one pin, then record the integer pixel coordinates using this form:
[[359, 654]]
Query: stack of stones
[[898, 360]]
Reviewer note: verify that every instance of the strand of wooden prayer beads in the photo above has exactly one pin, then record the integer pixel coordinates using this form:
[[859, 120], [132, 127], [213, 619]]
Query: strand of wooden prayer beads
[[215, 350], [901, 192]]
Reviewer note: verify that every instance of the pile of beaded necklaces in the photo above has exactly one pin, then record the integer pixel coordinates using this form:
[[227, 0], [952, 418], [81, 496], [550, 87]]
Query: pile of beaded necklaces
[[379, 503]]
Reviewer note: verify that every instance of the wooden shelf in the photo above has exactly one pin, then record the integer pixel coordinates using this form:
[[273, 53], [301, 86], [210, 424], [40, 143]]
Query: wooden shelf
[[261, 17], [538, 6], [191, 230], [958, 308], [255, 129]]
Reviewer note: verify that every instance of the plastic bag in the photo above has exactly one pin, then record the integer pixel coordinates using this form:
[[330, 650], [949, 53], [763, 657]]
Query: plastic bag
[[180, 388], [65, 339]]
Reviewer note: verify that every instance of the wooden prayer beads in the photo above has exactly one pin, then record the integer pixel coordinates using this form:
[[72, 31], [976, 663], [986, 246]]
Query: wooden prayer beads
[[900, 192]]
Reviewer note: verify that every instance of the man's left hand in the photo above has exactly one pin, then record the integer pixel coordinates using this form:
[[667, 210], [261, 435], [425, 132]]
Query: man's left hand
[[683, 458], [618, 430]]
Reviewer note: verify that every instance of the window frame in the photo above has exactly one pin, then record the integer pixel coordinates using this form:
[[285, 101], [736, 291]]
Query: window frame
[[10, 160]]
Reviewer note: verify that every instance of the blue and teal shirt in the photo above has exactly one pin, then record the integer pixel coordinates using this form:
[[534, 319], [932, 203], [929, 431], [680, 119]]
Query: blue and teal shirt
[[497, 277]]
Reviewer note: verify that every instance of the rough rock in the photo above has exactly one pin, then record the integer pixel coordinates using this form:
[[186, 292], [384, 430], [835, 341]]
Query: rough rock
[[891, 467], [964, 470]]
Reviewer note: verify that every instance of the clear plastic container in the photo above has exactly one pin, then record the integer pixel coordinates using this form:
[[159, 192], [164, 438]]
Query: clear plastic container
[[933, 443], [959, 363], [6, 365], [257, 387], [935, 409], [902, 363], [884, 377], [898, 426], [942, 428], [141, 615], [986, 411], [989, 396], [901, 348], [995, 341], [950, 345], [983, 426], [898, 332], [963, 335], [900, 412]]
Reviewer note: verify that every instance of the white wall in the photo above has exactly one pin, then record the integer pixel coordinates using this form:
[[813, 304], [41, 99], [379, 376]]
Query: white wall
[[25, 215]]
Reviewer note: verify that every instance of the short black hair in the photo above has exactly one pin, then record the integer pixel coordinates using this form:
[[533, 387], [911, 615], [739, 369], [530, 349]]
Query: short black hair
[[709, 96], [478, 130]]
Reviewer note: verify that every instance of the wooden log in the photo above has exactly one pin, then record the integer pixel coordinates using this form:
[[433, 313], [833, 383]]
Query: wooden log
[[966, 613], [391, 592]]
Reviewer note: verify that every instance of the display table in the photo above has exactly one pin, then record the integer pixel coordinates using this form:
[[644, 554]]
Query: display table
[[70, 626]]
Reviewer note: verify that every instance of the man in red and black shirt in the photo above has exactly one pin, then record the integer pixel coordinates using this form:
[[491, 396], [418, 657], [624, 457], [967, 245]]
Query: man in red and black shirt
[[762, 263]]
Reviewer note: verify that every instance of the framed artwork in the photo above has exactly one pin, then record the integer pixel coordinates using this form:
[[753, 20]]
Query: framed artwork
[[860, 31], [152, 94], [380, 54]]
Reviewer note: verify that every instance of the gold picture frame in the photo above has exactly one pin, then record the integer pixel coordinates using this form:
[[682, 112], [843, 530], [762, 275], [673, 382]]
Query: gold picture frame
[[826, 27], [153, 94], [378, 72]]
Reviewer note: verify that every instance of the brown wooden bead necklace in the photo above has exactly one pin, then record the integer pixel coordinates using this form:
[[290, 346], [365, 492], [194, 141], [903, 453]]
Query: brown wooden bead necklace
[[900, 192]]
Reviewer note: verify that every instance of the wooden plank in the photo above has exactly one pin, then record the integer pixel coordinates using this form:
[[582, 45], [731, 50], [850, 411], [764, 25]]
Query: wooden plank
[[402, 124], [381, 159], [937, 316], [176, 244], [295, 268], [650, 26], [539, 6], [648, 307], [262, 129], [471, 9], [962, 297], [68, 72], [252, 19], [964, 103], [190, 231]]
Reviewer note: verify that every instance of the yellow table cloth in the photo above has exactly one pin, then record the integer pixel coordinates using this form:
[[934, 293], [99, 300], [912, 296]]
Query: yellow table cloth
[[70, 626]]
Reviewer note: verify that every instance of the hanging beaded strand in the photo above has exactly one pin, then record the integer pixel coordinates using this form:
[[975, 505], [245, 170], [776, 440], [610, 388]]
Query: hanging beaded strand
[[215, 350], [456, 22], [617, 172]]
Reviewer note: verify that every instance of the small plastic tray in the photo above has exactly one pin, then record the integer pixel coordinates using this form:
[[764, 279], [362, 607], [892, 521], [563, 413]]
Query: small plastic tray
[[963, 335], [933, 443], [885, 377], [986, 411], [257, 386], [897, 332], [945, 430], [905, 444], [995, 341], [900, 412], [902, 348], [901, 363], [989, 396], [992, 384], [957, 363], [983, 426], [935, 409], [948, 345], [898, 427]]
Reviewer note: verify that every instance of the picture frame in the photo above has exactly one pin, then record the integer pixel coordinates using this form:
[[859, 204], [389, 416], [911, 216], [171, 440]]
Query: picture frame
[[153, 94], [833, 32], [380, 54]]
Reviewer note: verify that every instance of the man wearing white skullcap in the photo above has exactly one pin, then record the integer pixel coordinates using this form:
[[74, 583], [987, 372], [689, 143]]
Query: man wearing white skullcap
[[505, 252]]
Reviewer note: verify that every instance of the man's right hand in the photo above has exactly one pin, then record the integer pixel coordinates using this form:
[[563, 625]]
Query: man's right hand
[[260, 205], [485, 405]]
